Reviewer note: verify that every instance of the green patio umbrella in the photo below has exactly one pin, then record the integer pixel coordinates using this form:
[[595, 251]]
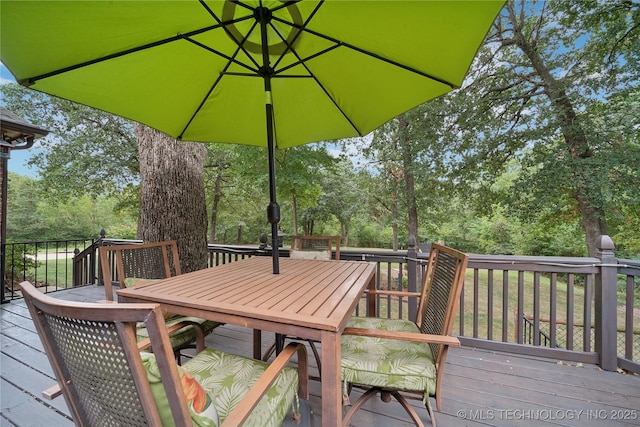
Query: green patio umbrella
[[268, 73]]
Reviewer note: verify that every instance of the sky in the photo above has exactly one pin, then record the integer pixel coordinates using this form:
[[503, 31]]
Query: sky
[[18, 161]]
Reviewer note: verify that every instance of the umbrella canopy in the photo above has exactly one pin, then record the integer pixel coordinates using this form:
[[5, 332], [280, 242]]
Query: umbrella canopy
[[259, 72]]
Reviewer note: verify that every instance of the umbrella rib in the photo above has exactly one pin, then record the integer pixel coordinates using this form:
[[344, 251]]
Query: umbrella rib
[[195, 113], [227, 57], [213, 86], [226, 30], [302, 62], [31, 80], [230, 60], [341, 43], [290, 46]]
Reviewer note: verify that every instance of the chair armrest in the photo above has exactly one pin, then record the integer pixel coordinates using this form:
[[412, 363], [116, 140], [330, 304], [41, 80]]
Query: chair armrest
[[242, 411], [403, 336], [52, 392], [197, 327]]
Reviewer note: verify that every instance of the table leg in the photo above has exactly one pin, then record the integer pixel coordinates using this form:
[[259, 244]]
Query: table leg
[[279, 343], [371, 299], [331, 380], [257, 344]]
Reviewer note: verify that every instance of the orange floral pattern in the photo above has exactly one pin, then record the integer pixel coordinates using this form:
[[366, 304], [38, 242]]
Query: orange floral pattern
[[196, 395]]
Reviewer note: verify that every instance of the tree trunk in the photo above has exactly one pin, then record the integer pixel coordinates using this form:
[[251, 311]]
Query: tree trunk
[[239, 238], [214, 207], [172, 199], [409, 177], [394, 225], [294, 208], [344, 227], [593, 216]]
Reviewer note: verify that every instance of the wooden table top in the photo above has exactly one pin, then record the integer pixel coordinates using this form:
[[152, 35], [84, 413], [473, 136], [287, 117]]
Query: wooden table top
[[307, 293]]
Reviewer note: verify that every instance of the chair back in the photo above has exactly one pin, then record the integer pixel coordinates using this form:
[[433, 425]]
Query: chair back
[[314, 247], [440, 298], [93, 351], [157, 260]]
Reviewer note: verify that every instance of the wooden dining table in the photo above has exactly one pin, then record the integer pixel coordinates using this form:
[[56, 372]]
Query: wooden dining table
[[310, 299]]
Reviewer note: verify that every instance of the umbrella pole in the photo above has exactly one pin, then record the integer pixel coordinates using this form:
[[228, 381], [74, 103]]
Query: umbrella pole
[[273, 210], [263, 14]]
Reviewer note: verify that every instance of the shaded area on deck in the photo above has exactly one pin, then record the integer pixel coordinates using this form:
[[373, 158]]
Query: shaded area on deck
[[482, 388]]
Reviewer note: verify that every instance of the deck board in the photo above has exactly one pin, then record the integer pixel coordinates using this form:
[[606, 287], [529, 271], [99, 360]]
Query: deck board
[[481, 387]]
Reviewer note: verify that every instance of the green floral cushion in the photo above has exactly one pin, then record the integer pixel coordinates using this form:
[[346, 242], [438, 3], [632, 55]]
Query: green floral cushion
[[181, 336], [203, 411], [228, 377], [382, 324], [392, 364], [131, 282]]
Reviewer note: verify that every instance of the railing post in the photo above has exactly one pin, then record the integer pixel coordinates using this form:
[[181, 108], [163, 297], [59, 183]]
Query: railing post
[[100, 279], [606, 305], [76, 270], [412, 274], [3, 249]]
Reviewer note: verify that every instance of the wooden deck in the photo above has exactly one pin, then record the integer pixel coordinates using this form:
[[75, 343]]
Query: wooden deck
[[482, 388]]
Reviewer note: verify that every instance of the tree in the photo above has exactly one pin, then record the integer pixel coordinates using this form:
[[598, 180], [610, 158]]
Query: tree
[[299, 171], [87, 152], [23, 222], [541, 71], [220, 158], [172, 202], [409, 157], [341, 197]]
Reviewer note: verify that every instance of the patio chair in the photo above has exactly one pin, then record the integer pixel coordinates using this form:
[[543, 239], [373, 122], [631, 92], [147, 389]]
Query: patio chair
[[309, 247], [107, 380], [156, 260], [314, 247], [136, 264], [394, 355]]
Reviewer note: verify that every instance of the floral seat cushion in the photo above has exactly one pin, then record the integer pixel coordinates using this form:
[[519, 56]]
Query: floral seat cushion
[[183, 336], [228, 377], [201, 408], [391, 364]]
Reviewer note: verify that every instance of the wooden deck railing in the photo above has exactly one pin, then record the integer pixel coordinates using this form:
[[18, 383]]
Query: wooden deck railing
[[588, 309], [48, 264]]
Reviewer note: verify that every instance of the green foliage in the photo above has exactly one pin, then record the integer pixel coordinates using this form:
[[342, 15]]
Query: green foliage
[[18, 260], [23, 197], [496, 166], [553, 93], [242, 172], [369, 234], [626, 235], [88, 152], [31, 216]]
